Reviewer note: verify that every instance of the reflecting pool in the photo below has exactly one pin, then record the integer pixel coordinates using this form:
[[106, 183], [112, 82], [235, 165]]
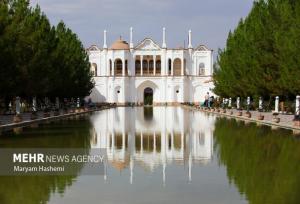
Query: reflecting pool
[[162, 155]]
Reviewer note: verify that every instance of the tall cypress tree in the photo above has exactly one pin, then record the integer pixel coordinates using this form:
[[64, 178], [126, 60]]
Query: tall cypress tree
[[37, 59], [260, 57]]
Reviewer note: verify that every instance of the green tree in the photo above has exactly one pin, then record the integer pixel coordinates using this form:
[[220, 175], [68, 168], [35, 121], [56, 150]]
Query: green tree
[[37, 59], [260, 57]]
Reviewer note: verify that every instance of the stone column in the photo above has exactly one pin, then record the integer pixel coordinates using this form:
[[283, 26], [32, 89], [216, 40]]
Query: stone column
[[172, 68], [163, 62], [123, 67], [113, 66], [182, 66], [133, 65], [276, 104], [238, 103], [141, 58]]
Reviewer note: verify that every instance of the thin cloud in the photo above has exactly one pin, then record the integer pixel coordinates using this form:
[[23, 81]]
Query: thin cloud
[[210, 21]]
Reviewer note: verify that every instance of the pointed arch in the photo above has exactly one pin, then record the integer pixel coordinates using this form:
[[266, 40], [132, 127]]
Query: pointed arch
[[118, 64]]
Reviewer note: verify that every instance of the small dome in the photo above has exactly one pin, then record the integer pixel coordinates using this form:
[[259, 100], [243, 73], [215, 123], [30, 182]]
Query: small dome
[[120, 45]]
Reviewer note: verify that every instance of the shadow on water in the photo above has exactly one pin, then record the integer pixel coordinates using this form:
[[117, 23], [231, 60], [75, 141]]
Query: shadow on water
[[263, 163], [73, 133]]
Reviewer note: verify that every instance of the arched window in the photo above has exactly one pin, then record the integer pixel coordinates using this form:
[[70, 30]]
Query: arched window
[[137, 67], [201, 69], [177, 67], [158, 67], [169, 67], [118, 67], [94, 69]]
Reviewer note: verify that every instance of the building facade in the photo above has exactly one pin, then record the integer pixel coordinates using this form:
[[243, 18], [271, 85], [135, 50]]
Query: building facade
[[148, 73]]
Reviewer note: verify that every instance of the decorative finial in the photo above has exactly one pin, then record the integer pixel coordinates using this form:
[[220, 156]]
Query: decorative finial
[[164, 45], [190, 46], [104, 39], [131, 38]]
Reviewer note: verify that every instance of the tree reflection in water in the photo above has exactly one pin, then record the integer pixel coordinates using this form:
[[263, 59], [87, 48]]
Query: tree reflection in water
[[263, 163], [38, 189]]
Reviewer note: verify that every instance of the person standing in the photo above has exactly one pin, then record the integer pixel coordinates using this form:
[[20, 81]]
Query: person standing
[[206, 99]]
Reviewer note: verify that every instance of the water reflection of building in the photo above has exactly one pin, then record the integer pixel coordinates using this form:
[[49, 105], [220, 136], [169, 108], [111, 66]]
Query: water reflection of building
[[154, 137]]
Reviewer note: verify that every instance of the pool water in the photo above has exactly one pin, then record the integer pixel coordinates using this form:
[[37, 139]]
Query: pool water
[[162, 155]]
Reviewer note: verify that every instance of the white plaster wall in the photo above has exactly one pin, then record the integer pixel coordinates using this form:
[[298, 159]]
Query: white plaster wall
[[191, 88]]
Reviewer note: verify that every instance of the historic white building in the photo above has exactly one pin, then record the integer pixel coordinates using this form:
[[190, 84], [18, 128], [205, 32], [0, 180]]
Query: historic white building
[[127, 73]]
